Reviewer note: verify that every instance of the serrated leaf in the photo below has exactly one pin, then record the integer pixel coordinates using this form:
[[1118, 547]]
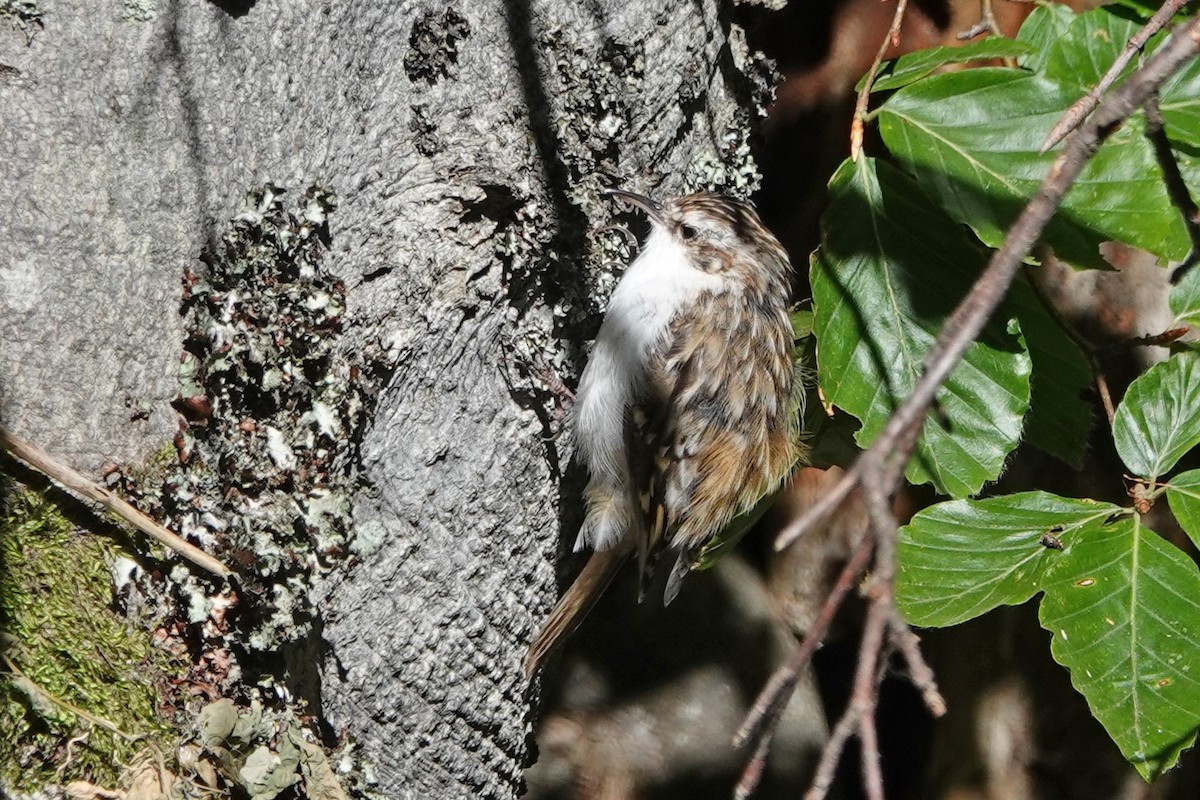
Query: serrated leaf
[[972, 139], [1124, 609], [1185, 299], [1044, 26], [1123, 605], [1183, 495], [1158, 420], [912, 67], [890, 268], [1059, 418]]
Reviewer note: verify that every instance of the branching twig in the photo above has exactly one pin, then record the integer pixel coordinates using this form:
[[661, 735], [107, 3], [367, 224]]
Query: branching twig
[[878, 470], [773, 697], [906, 643], [831, 753], [986, 24], [1084, 105], [864, 95], [43, 462]]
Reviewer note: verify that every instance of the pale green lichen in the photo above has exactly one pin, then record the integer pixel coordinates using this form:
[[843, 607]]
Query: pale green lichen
[[61, 632], [263, 471], [141, 10]]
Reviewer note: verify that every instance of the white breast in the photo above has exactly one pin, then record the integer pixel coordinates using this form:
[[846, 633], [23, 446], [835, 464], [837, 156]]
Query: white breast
[[658, 283]]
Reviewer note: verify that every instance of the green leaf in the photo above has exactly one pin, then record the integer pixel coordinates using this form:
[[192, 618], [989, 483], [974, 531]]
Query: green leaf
[[1185, 299], [1124, 608], [802, 322], [1183, 495], [1059, 418], [912, 67], [1179, 101], [1158, 420], [890, 268], [1088, 48], [1123, 605], [1041, 29], [972, 138], [963, 558]]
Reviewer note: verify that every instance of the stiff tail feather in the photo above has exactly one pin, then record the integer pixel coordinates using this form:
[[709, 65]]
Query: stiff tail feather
[[574, 605]]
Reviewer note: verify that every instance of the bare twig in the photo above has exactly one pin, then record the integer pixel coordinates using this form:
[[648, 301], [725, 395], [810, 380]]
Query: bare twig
[[1084, 105], [907, 644], [785, 677], [864, 94], [831, 753], [43, 462], [850, 720], [986, 24], [30, 685], [761, 722]]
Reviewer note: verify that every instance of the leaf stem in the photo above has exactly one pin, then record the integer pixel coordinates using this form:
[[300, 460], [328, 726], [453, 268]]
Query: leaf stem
[[864, 94]]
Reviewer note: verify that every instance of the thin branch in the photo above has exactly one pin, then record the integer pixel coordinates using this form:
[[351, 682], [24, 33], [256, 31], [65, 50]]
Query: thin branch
[[762, 721], [986, 24], [873, 650], [818, 510], [30, 685], [1084, 105], [1177, 188], [864, 94], [831, 753], [908, 645], [771, 699], [43, 462], [862, 697]]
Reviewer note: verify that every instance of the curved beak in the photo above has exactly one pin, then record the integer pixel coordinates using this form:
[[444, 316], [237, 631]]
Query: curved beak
[[652, 209]]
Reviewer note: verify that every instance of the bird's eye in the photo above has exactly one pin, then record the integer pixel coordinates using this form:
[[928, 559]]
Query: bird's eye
[[687, 232]]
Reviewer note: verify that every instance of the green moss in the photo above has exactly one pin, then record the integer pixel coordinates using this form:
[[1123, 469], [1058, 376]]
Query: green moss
[[60, 631]]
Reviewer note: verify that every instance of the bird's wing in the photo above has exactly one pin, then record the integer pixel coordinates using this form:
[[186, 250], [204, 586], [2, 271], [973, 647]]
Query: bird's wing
[[727, 434]]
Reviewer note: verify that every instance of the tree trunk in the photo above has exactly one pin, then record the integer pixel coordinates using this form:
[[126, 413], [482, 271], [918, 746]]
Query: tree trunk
[[467, 143]]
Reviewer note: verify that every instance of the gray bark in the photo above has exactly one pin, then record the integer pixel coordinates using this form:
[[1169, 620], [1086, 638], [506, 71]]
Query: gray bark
[[467, 162]]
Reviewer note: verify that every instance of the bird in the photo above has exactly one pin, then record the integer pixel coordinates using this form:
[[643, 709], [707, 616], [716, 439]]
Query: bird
[[686, 415]]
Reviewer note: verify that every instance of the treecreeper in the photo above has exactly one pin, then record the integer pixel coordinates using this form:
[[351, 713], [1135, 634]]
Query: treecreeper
[[687, 413]]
